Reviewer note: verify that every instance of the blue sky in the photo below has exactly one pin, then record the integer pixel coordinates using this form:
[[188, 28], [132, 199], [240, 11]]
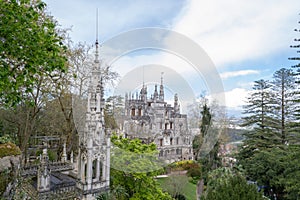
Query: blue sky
[[246, 40]]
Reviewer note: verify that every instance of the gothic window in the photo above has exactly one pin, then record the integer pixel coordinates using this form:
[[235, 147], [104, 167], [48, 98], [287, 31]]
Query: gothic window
[[160, 125], [171, 125], [166, 126], [140, 112], [177, 140], [94, 168], [161, 153], [171, 141], [160, 142], [133, 112]]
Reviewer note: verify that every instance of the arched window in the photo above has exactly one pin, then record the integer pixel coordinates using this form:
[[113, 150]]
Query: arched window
[[160, 142]]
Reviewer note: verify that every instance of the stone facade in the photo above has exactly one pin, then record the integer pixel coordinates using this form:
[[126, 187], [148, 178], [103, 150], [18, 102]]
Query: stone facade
[[89, 176], [154, 120], [94, 141]]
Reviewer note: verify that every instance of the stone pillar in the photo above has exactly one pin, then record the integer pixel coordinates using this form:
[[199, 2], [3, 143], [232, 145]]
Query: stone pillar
[[98, 169], [82, 170], [103, 178], [89, 169], [107, 175], [43, 182], [71, 157], [64, 154], [79, 164]]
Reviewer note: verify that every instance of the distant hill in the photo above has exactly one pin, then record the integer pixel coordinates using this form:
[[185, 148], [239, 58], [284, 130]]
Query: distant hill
[[235, 135]]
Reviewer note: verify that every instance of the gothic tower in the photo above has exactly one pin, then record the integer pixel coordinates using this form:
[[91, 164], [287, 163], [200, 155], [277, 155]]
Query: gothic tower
[[94, 141]]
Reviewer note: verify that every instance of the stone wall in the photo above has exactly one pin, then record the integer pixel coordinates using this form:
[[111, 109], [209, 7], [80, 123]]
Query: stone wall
[[8, 175]]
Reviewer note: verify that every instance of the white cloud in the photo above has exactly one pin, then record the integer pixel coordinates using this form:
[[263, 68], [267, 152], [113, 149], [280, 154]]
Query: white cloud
[[231, 74], [239, 30], [236, 98]]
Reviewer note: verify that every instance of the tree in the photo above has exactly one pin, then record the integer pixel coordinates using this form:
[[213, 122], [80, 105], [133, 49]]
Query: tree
[[265, 152], [283, 87], [296, 73], [175, 185], [24, 116], [30, 48], [258, 119], [206, 120], [223, 184], [113, 112], [133, 167], [205, 125]]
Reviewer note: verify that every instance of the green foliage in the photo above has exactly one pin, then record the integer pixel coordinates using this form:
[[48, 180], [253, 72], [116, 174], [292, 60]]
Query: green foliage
[[223, 185], [30, 47], [113, 111], [133, 167], [5, 139], [52, 155], [211, 161], [195, 173], [206, 120], [5, 178], [9, 149], [175, 184], [269, 153], [188, 190]]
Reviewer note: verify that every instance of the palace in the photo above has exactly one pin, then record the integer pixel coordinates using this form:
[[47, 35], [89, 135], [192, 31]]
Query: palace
[[154, 120]]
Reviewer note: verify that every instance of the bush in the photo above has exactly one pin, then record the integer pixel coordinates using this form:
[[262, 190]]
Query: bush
[[194, 172], [230, 187], [9, 149], [184, 165], [5, 139]]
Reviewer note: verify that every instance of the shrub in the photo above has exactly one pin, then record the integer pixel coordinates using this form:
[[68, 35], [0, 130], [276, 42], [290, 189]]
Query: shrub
[[5, 139], [194, 172], [9, 149]]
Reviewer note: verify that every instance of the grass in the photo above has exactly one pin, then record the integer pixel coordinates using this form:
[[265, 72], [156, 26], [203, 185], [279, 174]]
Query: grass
[[189, 190]]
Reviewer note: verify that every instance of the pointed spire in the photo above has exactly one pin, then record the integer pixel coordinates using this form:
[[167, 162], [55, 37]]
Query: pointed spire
[[155, 95], [161, 91], [143, 93], [96, 61], [176, 104]]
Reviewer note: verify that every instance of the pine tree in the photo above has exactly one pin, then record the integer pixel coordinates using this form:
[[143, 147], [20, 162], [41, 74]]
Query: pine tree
[[296, 67], [283, 87], [258, 118], [224, 184]]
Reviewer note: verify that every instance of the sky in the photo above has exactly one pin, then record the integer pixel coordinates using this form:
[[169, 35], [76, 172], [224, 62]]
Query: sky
[[246, 40]]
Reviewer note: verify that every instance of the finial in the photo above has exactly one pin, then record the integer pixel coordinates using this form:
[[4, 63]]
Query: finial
[[97, 43]]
